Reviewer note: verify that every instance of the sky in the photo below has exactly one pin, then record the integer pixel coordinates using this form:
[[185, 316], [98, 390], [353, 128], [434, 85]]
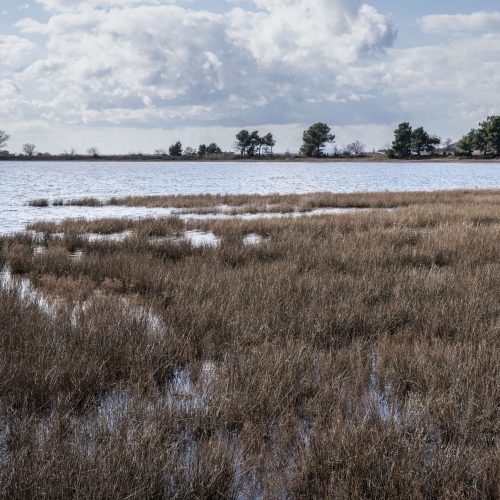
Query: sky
[[136, 75]]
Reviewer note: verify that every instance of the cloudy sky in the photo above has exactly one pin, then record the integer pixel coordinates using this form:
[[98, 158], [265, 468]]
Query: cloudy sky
[[134, 75]]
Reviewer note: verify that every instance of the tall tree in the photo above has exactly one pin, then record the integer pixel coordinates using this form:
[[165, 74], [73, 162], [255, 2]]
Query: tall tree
[[255, 144], [401, 146], [175, 149], [481, 140], [202, 150], [242, 141], [213, 149], [356, 148], [29, 149], [467, 144], [432, 143], [4, 138], [268, 142], [491, 131], [315, 138], [475, 140], [419, 140]]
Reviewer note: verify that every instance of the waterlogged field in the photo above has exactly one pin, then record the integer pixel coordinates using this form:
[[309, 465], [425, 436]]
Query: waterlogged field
[[343, 355]]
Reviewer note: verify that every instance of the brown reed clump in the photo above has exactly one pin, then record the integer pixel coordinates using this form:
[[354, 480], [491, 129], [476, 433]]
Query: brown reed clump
[[345, 356], [84, 202], [39, 203], [252, 203], [149, 227]]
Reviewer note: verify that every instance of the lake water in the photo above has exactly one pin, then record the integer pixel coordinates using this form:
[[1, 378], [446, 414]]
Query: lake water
[[22, 182]]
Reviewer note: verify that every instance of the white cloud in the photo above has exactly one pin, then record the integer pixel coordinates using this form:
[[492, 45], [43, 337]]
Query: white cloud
[[72, 5], [151, 64], [14, 50], [8, 90], [137, 63], [477, 22], [137, 67], [310, 33], [453, 85]]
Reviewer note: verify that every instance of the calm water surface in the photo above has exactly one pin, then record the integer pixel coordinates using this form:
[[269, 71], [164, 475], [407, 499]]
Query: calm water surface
[[21, 182]]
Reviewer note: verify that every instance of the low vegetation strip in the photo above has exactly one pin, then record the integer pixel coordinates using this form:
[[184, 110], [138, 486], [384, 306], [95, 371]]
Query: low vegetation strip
[[347, 356], [240, 203]]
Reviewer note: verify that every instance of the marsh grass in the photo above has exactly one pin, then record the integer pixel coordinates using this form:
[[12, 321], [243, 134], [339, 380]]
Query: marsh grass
[[39, 203], [347, 356], [255, 203], [84, 202]]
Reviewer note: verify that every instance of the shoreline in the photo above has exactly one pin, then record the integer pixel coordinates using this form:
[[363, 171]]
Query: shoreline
[[153, 159]]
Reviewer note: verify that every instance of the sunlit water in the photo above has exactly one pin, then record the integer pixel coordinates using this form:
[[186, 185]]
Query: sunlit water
[[22, 182]]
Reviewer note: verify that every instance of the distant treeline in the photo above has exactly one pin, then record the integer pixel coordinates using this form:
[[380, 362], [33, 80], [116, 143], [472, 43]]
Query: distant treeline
[[247, 144], [484, 140], [408, 142]]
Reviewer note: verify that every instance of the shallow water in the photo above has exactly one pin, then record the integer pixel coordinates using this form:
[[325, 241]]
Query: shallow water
[[186, 394], [201, 238], [378, 400], [252, 239], [25, 290], [117, 237], [196, 238], [21, 182]]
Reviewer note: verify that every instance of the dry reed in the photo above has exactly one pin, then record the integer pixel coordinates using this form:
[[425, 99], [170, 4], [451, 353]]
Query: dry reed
[[346, 356]]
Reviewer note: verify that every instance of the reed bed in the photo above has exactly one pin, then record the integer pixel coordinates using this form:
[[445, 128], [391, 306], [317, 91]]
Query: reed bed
[[82, 202], [345, 356], [256, 203], [39, 203]]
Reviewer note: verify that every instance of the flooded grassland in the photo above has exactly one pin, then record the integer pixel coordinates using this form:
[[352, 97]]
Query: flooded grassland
[[347, 354]]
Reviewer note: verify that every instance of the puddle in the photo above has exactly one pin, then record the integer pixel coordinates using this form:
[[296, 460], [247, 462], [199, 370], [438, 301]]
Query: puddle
[[196, 238], [271, 215], [378, 399], [76, 255], [4, 431], [253, 239], [155, 325], [335, 211], [24, 288], [107, 237], [39, 250], [306, 431], [110, 411], [188, 393], [39, 236], [201, 238], [112, 407], [73, 256]]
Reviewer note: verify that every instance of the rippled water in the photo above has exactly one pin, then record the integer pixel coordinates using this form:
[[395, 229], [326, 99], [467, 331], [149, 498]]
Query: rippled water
[[21, 182]]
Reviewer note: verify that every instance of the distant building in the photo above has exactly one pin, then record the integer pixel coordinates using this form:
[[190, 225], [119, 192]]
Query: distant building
[[4, 153], [449, 149]]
